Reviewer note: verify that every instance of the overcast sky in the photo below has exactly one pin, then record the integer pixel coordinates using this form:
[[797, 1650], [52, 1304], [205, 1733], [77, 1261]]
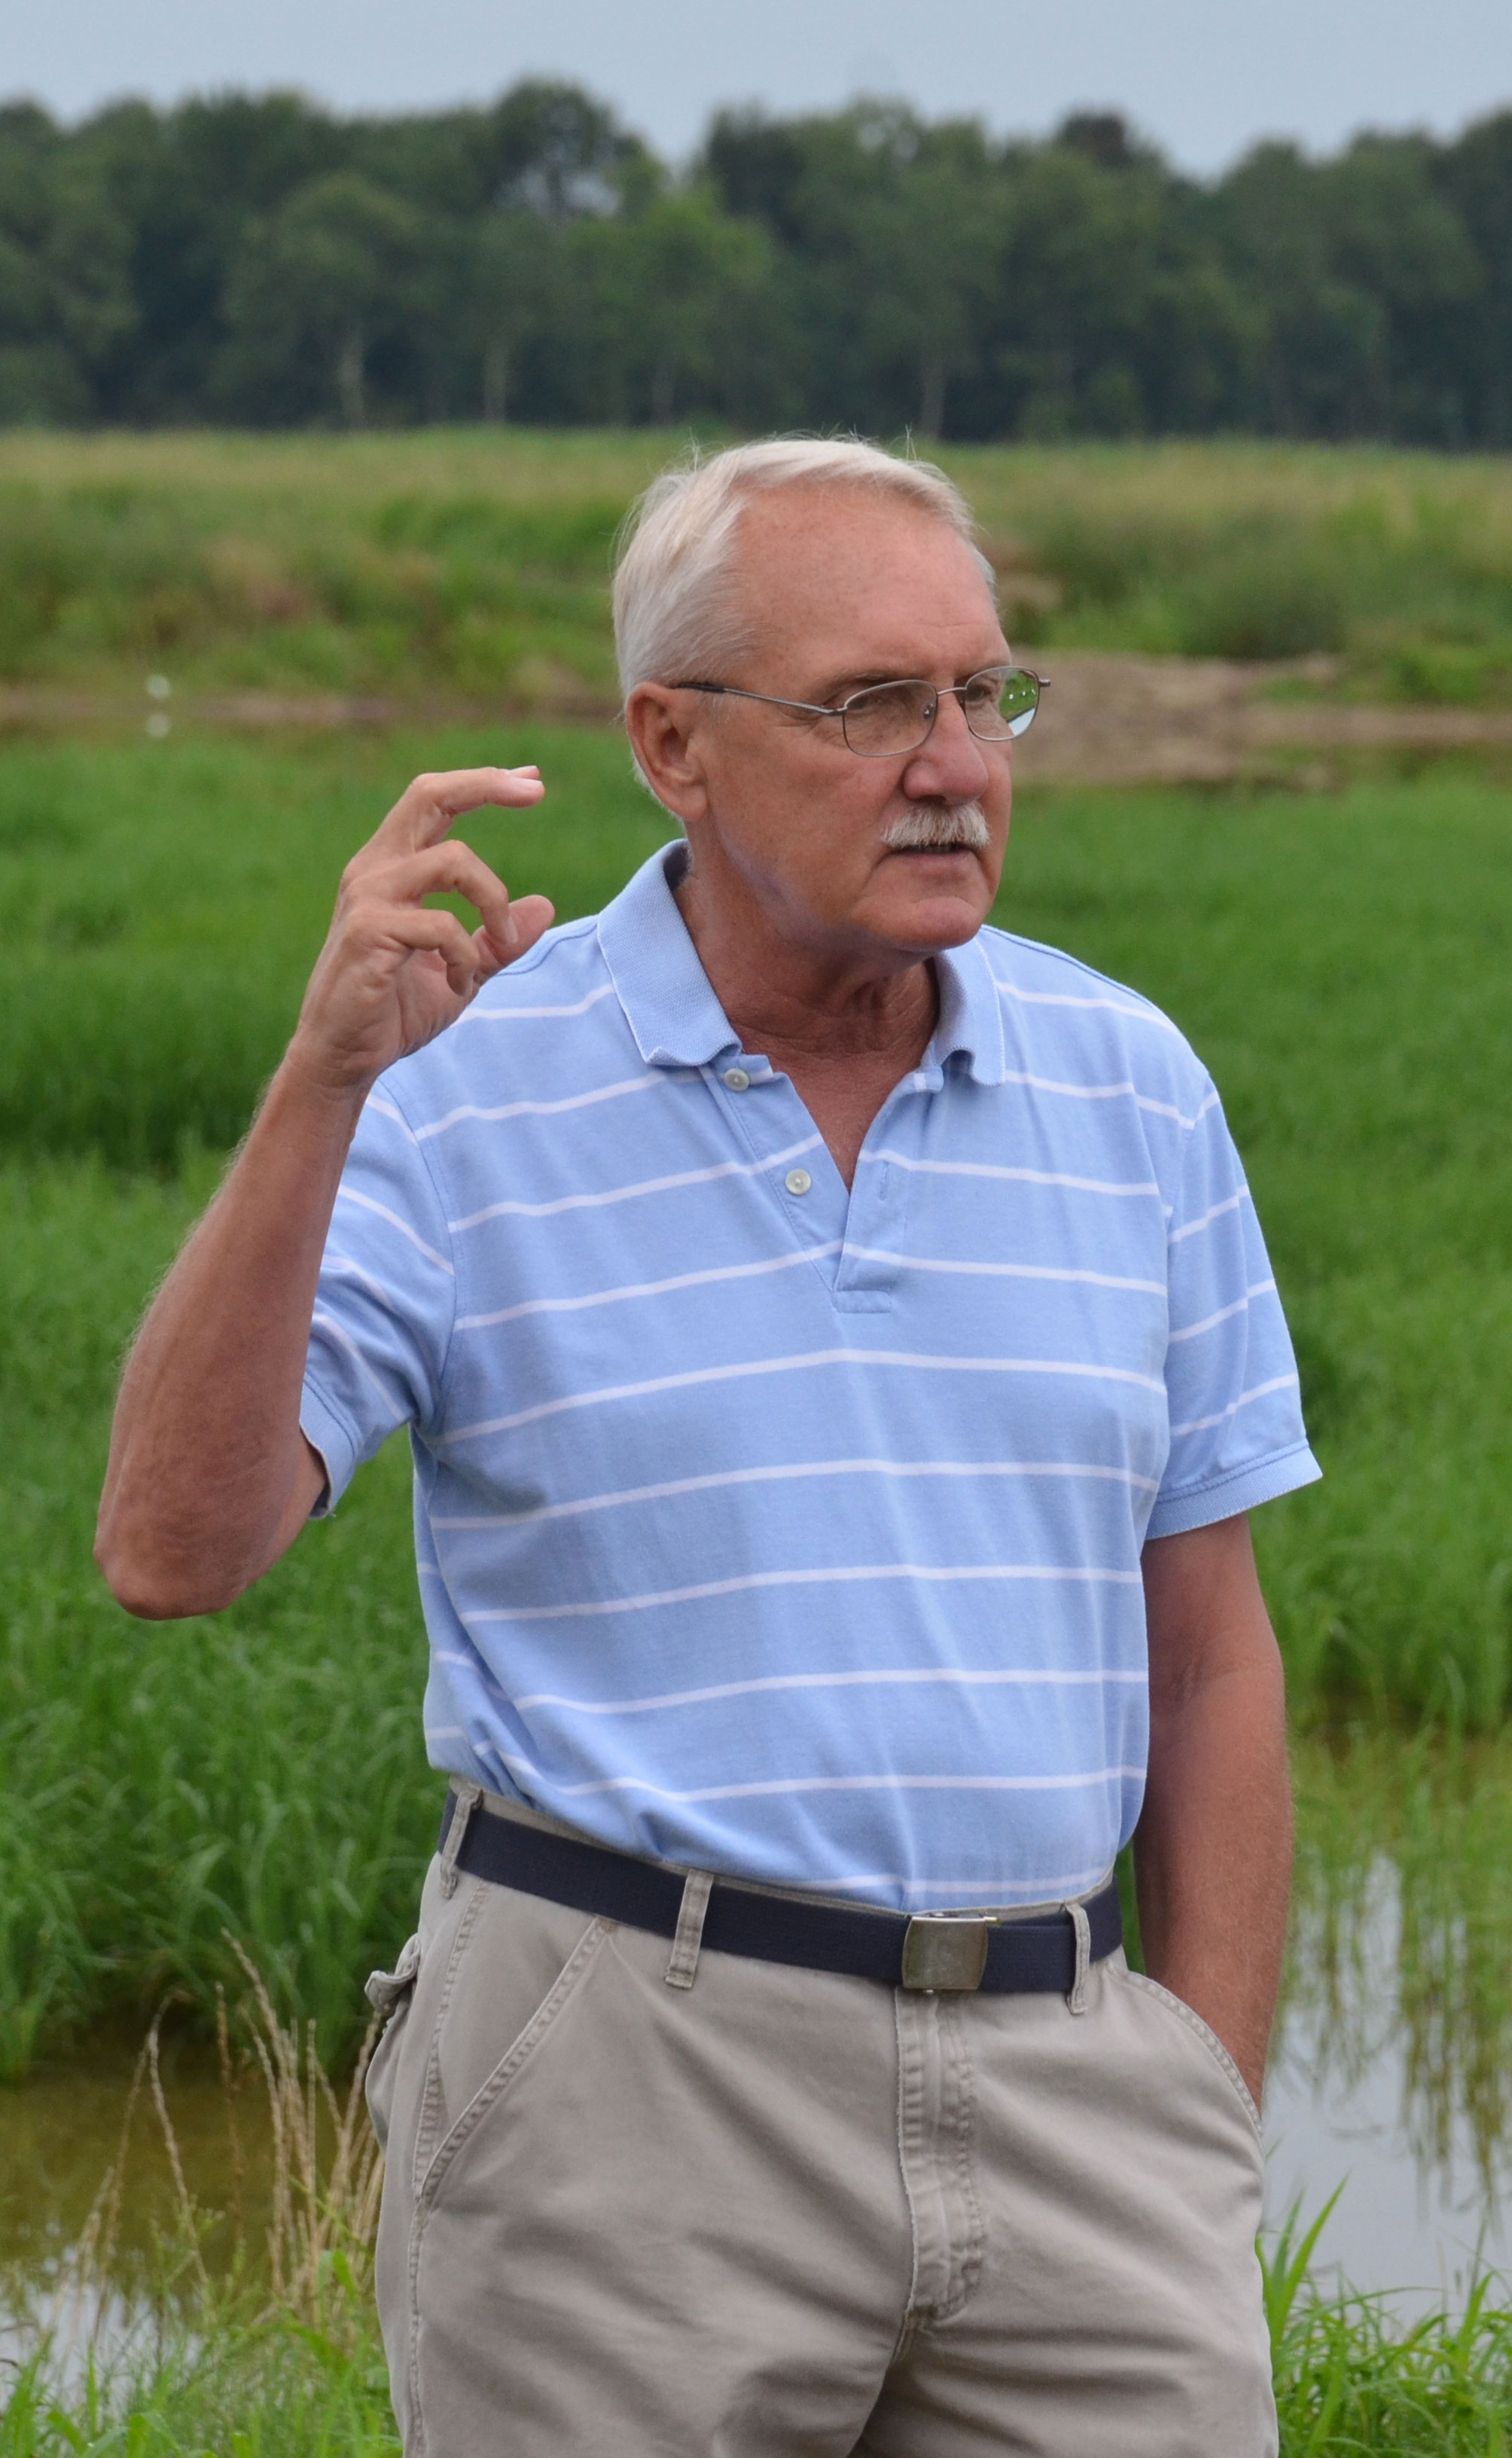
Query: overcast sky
[[1204, 78]]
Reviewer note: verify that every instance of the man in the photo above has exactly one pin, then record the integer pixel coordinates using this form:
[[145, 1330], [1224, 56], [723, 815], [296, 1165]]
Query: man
[[837, 1345]]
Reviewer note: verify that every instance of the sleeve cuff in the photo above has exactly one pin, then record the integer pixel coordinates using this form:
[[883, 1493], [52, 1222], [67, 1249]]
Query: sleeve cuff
[[329, 1434], [1224, 1497]]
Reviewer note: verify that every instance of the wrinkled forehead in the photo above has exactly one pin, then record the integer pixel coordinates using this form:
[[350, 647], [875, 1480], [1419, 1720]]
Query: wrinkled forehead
[[820, 573]]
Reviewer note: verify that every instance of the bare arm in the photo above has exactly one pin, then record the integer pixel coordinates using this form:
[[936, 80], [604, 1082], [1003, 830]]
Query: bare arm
[[1213, 1851], [209, 1477]]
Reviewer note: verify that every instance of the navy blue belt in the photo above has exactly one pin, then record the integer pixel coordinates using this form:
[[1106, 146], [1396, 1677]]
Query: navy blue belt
[[1036, 1951]]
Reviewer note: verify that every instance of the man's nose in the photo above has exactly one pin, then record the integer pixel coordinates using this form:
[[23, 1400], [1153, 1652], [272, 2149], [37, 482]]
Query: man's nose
[[952, 764]]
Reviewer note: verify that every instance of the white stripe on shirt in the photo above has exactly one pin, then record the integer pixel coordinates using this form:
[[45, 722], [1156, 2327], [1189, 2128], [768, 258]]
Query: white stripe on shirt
[[787, 1471], [641, 1186], [752, 1367], [593, 1606]]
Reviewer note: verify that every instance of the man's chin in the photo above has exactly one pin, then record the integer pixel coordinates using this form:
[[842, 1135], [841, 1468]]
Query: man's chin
[[938, 911]]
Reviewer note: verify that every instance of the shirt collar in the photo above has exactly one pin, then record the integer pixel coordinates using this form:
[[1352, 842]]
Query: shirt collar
[[666, 996], [970, 1024], [672, 1009]]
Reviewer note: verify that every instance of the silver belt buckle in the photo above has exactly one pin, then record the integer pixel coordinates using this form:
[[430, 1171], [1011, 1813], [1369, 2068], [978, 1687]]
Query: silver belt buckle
[[946, 1950]]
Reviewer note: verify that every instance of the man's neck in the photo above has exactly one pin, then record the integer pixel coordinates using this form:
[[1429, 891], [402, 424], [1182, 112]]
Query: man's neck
[[829, 1002], [845, 1026]]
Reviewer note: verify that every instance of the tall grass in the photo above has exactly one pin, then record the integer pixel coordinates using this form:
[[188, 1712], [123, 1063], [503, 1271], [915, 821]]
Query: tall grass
[[161, 905], [475, 563], [1399, 563], [470, 563], [1351, 2377], [1342, 965]]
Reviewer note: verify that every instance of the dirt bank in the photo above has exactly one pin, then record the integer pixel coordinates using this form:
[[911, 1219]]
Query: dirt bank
[[1107, 720]]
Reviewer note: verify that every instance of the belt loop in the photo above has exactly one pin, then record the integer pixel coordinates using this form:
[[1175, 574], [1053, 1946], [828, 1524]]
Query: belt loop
[[465, 1799], [1076, 2002], [683, 1962]]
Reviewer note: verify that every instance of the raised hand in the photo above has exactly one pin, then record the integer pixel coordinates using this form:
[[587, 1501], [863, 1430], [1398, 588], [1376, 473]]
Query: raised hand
[[394, 971]]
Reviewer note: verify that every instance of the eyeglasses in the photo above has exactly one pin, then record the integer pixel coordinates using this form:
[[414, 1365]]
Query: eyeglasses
[[887, 720]]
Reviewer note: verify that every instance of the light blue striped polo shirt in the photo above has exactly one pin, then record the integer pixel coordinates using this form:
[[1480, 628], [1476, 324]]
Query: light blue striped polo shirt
[[771, 1529]]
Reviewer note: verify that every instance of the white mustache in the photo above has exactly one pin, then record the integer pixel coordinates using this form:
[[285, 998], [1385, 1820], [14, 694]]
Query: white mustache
[[929, 827]]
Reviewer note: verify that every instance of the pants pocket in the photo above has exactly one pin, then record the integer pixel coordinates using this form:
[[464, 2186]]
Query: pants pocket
[[391, 1995], [1189, 2016], [516, 1967]]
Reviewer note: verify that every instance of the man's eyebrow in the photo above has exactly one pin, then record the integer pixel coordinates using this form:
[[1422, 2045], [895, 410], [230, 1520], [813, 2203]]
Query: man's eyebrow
[[842, 685]]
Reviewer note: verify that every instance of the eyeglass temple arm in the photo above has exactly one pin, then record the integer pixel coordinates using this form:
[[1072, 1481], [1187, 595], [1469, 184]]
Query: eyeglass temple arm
[[770, 700]]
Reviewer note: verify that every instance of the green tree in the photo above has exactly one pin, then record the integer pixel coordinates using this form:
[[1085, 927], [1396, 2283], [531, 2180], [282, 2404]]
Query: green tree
[[1365, 278], [316, 288], [187, 185], [256, 258], [680, 290], [885, 237], [1116, 315], [514, 272], [1474, 177], [65, 299], [929, 252]]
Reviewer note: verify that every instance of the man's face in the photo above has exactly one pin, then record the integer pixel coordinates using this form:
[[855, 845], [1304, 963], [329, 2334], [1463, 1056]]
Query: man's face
[[850, 589]]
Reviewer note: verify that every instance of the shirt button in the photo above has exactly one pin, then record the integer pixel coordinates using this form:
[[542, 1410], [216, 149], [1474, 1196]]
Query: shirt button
[[737, 1079], [798, 1182]]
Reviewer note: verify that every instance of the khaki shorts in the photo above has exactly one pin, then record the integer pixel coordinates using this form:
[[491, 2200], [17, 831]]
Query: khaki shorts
[[784, 2212]]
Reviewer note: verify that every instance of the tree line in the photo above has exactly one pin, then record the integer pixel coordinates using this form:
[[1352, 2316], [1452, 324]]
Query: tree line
[[253, 260]]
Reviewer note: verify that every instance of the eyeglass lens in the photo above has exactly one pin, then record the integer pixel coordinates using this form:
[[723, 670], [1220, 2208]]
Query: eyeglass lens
[[890, 718]]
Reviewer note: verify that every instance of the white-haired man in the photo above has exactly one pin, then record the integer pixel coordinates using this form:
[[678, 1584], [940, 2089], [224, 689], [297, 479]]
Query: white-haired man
[[839, 1354]]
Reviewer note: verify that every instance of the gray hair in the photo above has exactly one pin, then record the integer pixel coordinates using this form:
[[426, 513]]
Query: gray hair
[[675, 612]]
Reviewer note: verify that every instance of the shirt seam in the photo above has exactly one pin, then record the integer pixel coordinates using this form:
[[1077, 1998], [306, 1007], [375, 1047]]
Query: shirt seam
[[344, 1425], [333, 1407], [1230, 1476], [1107, 981]]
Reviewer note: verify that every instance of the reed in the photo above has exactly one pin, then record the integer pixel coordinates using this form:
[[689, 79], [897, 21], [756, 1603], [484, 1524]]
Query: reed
[[1352, 2377], [313, 2266]]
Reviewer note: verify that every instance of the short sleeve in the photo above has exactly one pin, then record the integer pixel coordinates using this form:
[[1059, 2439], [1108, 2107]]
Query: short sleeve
[[1236, 1432], [385, 1303]]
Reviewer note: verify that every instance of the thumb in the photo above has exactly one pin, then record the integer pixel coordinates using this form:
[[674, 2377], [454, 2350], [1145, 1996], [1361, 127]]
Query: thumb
[[529, 918]]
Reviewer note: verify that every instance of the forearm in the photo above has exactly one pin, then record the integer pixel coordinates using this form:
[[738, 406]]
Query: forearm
[[1213, 1851], [210, 1477]]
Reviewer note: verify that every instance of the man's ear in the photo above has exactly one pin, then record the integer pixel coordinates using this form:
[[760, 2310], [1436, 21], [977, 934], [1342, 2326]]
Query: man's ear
[[664, 726]]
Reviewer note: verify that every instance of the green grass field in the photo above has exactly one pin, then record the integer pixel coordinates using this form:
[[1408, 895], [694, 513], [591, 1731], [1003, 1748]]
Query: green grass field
[[471, 563], [1341, 962]]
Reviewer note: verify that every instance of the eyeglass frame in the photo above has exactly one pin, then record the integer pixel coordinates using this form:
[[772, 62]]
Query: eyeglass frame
[[941, 691]]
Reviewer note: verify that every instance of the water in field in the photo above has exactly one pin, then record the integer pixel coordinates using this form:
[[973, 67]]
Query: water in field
[[1365, 2095], [94, 2224], [1391, 2076]]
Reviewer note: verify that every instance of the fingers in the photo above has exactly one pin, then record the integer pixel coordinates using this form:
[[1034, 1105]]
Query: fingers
[[529, 917], [431, 930], [433, 803], [395, 971], [448, 869]]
